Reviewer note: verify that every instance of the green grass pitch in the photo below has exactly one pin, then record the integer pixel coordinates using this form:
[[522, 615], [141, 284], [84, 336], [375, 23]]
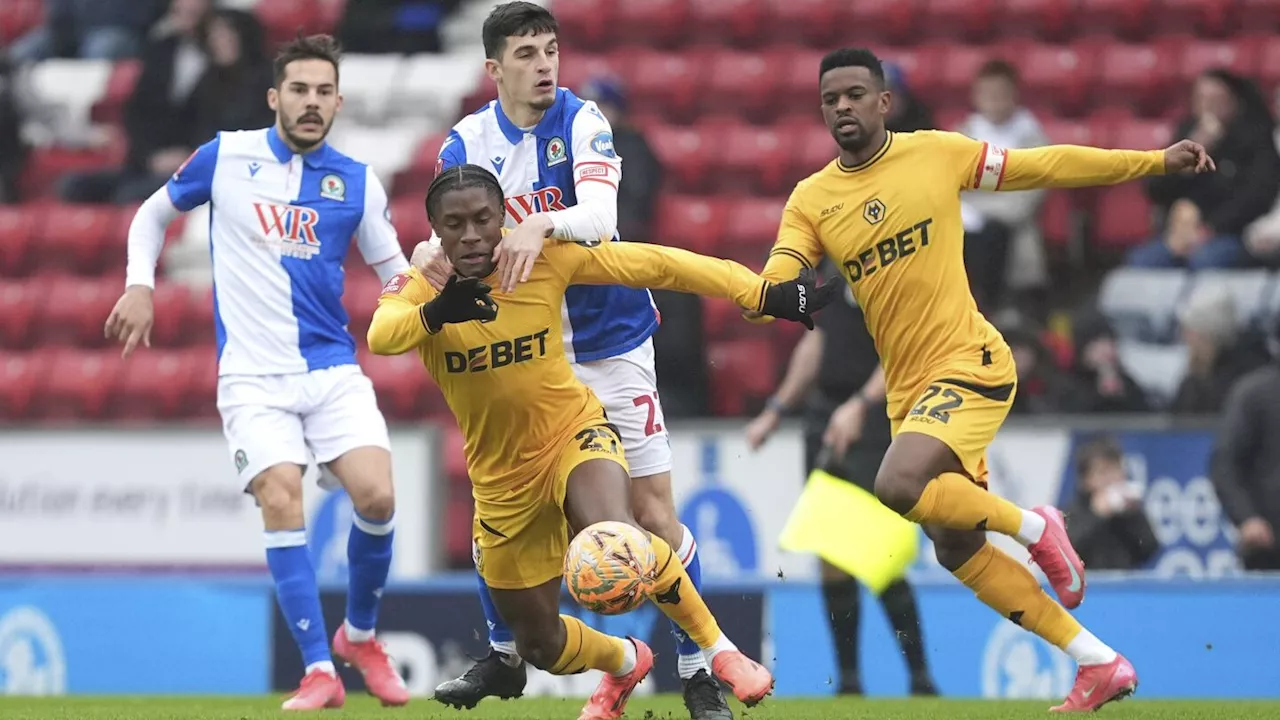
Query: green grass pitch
[[641, 708]]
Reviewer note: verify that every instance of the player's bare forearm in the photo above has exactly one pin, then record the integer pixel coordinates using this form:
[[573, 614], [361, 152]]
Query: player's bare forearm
[[874, 390], [640, 265], [802, 370], [397, 327], [1072, 166]]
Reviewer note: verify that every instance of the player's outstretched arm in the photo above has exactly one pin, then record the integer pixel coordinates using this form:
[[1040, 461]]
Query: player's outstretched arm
[[641, 265], [986, 167]]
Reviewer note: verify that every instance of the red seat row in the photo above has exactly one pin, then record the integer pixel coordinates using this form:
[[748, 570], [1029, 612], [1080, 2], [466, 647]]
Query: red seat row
[[777, 81], [750, 23], [85, 239]]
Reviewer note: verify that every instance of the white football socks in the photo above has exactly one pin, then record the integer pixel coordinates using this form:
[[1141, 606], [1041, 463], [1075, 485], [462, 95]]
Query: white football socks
[[508, 651], [1031, 530], [628, 658], [1086, 649], [325, 665], [355, 634], [723, 644]]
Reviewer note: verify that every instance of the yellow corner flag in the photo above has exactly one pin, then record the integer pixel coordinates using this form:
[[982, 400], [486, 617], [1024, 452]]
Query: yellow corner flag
[[850, 528]]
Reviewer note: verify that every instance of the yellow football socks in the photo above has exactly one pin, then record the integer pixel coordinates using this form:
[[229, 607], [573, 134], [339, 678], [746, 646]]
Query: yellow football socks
[[587, 649], [1011, 590], [675, 596], [953, 501]]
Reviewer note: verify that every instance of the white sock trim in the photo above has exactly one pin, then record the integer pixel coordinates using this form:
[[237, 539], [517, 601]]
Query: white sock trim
[[355, 634], [688, 665], [372, 527], [1031, 529], [723, 644], [628, 658], [688, 547], [323, 665], [507, 648], [1087, 649], [285, 538]]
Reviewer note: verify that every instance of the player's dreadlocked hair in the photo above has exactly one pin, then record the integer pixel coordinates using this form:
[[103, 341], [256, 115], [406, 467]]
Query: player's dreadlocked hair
[[461, 177], [514, 19], [311, 47], [852, 57]]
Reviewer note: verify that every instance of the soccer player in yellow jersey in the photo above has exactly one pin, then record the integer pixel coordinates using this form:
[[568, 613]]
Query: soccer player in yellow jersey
[[541, 454], [887, 211]]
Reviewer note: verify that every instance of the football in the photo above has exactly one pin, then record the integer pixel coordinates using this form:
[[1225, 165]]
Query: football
[[609, 568]]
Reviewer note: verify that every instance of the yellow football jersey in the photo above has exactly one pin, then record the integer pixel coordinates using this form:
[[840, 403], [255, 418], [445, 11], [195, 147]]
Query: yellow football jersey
[[508, 381], [892, 225]]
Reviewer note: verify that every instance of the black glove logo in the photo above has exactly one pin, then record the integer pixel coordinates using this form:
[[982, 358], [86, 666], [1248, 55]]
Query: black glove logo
[[797, 300], [461, 300]]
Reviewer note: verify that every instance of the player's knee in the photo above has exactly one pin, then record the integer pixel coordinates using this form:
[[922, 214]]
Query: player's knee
[[954, 547], [898, 488], [278, 490], [540, 648], [376, 503]]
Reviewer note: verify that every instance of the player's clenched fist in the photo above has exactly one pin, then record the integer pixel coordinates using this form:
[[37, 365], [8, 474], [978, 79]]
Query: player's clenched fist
[[1187, 156], [131, 319], [460, 301], [430, 260], [799, 299]]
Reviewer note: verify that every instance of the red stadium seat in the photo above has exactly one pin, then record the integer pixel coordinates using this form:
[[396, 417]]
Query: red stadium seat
[[1068, 132], [79, 383], [20, 377], [874, 22], [685, 156], [21, 303], [409, 216], [398, 381], [284, 19], [1201, 17], [457, 531], [18, 17], [73, 237], [588, 24], [110, 107], [743, 373], [1055, 217], [654, 22], [800, 80], [1127, 18], [1260, 17], [16, 227], [174, 310], [743, 83], [201, 400], [722, 319], [959, 65], [414, 180], [950, 19], [153, 384], [575, 72], [757, 159], [1046, 19], [753, 226], [1135, 134], [201, 326], [812, 22], [742, 22], [1269, 63], [360, 298], [1197, 56], [1136, 77], [672, 81], [46, 167], [75, 309], [919, 65], [1123, 216], [1058, 76], [692, 223], [454, 447], [814, 149]]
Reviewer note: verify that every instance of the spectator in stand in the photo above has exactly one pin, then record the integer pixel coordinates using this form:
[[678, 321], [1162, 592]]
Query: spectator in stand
[[1003, 244], [161, 116], [1246, 465], [1109, 527], [232, 94], [88, 29], [393, 26], [1041, 385], [907, 113], [1217, 354], [1207, 214], [1099, 384], [679, 344], [13, 151], [1262, 237]]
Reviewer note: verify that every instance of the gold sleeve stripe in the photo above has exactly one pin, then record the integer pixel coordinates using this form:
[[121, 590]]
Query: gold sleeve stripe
[[793, 254]]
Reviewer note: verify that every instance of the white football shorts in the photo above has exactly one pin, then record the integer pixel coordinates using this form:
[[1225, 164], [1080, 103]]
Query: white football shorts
[[298, 418], [627, 386]]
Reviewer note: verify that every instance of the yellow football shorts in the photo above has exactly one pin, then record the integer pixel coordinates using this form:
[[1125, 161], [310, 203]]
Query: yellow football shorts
[[521, 538], [963, 414]]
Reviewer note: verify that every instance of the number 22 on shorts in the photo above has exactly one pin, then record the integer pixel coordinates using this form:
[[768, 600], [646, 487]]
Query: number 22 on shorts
[[940, 411]]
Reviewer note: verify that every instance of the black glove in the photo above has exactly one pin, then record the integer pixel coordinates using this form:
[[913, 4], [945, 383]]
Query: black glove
[[799, 299], [461, 300]]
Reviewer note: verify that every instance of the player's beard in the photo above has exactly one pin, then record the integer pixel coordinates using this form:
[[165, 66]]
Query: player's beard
[[305, 143]]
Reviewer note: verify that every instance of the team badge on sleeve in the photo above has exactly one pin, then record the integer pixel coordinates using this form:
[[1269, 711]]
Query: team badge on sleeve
[[396, 284], [556, 153], [333, 188]]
